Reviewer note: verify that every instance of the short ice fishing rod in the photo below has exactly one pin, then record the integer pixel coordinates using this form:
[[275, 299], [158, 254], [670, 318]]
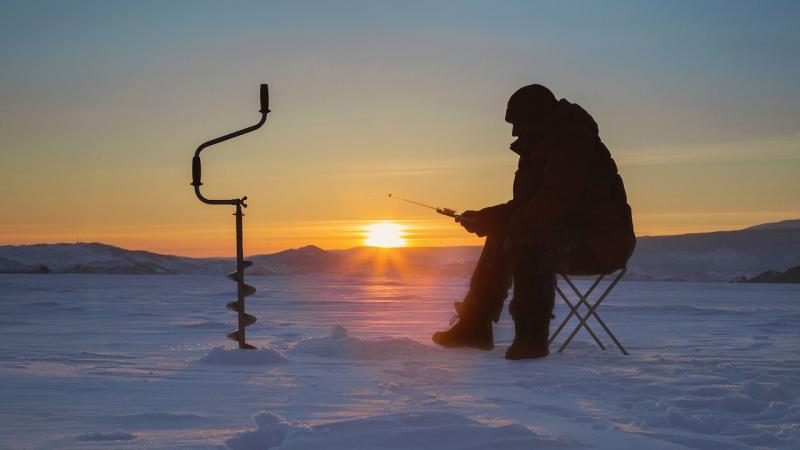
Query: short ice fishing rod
[[443, 211], [242, 290]]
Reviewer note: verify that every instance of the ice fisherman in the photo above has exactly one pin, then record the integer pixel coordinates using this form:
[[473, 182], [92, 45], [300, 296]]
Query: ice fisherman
[[569, 214]]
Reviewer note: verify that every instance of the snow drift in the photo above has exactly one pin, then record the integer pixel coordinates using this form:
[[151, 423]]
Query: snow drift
[[339, 345], [434, 430], [236, 356]]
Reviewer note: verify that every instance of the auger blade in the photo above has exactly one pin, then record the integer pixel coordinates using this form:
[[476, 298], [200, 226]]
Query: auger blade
[[249, 319], [249, 290], [234, 306], [234, 335], [235, 274]]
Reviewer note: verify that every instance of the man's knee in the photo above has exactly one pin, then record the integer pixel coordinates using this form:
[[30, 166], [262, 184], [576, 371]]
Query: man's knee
[[534, 279], [532, 305], [557, 250], [529, 259]]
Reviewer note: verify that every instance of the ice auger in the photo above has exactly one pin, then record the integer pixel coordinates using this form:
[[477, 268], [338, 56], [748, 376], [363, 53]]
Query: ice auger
[[243, 290]]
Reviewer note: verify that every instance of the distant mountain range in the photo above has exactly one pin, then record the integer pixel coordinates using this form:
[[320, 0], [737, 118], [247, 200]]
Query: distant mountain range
[[715, 256]]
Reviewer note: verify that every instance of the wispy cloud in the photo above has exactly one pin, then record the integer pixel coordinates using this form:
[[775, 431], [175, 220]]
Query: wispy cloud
[[421, 168], [775, 148]]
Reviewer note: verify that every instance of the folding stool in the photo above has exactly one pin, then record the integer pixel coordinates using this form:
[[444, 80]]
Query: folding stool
[[583, 299]]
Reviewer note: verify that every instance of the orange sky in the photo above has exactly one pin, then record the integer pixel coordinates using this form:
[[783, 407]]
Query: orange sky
[[101, 109]]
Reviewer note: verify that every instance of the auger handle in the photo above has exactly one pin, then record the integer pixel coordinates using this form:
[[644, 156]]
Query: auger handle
[[196, 164], [264, 98], [196, 171]]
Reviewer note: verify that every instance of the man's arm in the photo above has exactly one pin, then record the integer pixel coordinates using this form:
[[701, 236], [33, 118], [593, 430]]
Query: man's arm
[[569, 162], [489, 220]]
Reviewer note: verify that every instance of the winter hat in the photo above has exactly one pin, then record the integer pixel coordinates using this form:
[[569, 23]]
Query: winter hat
[[530, 103]]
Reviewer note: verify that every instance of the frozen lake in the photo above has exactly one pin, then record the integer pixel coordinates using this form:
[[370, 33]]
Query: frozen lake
[[115, 361]]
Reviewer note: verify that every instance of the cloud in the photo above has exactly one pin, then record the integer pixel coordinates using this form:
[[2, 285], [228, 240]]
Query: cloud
[[774, 148]]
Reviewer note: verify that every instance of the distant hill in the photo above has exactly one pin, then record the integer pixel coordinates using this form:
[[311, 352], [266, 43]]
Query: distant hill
[[715, 256], [792, 275], [360, 261], [9, 266], [102, 258], [782, 225], [365, 261]]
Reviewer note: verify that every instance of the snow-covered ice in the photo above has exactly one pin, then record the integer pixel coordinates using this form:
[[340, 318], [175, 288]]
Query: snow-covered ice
[[99, 361], [118, 435], [339, 345], [427, 429], [234, 356]]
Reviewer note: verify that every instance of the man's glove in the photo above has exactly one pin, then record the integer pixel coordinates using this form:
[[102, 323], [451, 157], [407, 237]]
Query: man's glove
[[474, 223]]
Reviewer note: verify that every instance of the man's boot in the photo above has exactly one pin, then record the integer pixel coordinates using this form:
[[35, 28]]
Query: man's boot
[[531, 329], [488, 289], [469, 331], [529, 343]]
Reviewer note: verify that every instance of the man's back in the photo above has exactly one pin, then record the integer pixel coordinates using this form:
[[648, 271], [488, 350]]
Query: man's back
[[568, 178]]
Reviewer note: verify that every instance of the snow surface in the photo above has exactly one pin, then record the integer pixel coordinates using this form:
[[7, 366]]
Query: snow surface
[[430, 429], [118, 435], [107, 361], [233, 357]]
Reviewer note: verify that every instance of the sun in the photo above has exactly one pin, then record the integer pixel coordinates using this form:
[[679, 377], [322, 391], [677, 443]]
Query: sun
[[384, 234]]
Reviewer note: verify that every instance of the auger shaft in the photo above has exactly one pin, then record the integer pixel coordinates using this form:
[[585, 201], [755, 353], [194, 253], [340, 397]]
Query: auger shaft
[[242, 290]]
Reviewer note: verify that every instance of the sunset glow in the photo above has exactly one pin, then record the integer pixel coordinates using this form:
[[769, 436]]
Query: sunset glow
[[374, 98], [384, 234]]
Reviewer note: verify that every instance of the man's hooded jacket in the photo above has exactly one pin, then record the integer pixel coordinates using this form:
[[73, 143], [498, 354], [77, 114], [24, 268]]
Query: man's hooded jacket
[[567, 179]]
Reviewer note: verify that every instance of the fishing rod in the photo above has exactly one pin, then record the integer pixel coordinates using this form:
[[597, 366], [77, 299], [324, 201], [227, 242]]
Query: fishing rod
[[443, 211], [242, 290]]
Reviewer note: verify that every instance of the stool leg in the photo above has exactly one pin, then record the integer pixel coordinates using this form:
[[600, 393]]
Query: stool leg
[[592, 312], [574, 310], [583, 297], [566, 319], [602, 323]]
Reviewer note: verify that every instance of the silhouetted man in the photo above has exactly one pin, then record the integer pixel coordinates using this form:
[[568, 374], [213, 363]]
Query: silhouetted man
[[569, 214]]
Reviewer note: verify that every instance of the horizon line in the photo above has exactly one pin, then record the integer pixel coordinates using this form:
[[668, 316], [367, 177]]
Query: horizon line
[[362, 246]]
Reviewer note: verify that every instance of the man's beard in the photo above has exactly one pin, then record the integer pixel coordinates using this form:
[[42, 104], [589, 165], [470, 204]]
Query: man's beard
[[524, 142]]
